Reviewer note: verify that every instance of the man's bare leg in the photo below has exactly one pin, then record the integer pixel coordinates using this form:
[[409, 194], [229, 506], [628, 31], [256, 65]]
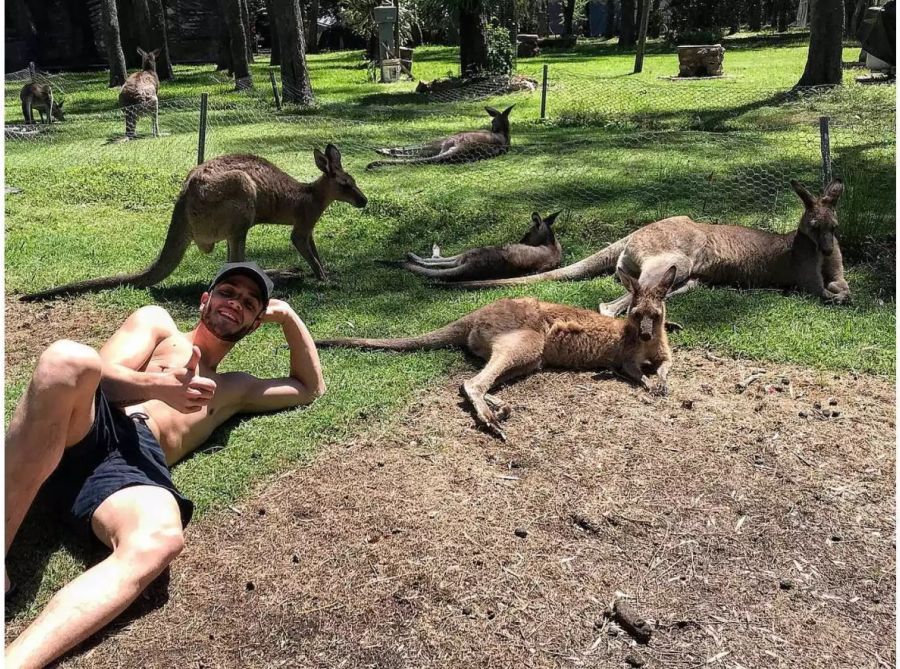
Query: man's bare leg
[[142, 524], [56, 411]]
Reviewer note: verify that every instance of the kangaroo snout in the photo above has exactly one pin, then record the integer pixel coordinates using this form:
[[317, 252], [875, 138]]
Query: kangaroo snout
[[646, 329], [361, 201]]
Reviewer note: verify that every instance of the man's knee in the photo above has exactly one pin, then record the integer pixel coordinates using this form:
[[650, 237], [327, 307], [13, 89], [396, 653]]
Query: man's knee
[[151, 551], [67, 364]]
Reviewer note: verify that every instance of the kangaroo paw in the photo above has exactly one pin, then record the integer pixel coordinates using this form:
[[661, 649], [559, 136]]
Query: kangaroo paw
[[501, 408], [605, 309], [661, 389], [484, 415]]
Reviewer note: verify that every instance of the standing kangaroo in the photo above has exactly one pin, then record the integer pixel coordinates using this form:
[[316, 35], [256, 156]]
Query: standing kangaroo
[[808, 259], [139, 94], [223, 198], [519, 336], [537, 251], [464, 147], [40, 97]]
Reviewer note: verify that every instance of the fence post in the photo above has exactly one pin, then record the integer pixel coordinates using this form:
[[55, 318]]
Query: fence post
[[544, 95], [825, 135], [31, 71], [275, 90], [201, 144], [642, 37]]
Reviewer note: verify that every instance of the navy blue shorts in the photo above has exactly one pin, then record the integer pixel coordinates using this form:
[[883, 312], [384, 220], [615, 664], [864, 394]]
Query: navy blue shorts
[[119, 451]]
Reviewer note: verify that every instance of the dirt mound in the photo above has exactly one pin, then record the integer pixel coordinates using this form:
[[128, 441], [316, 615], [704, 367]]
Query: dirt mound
[[748, 527]]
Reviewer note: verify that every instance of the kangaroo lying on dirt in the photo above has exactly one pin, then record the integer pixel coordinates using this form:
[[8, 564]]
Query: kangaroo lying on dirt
[[223, 198], [139, 94], [808, 259], [519, 336], [537, 251], [464, 147], [40, 97]]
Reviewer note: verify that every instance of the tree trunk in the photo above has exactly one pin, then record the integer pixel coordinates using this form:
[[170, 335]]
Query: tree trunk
[[159, 38], [568, 15], [295, 84], [655, 20], [473, 53], [610, 29], [143, 23], [784, 11], [754, 18], [626, 32], [312, 27], [237, 44], [826, 26], [858, 13], [109, 16], [248, 30]]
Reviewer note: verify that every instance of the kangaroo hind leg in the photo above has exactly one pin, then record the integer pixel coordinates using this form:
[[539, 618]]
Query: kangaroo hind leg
[[513, 354]]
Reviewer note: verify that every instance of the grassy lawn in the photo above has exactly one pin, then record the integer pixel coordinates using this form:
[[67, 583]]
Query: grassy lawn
[[616, 152]]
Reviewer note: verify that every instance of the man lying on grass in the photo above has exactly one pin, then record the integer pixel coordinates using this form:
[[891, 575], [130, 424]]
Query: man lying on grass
[[107, 426]]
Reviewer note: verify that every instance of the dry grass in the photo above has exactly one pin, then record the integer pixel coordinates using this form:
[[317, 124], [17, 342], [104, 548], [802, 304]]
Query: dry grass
[[752, 529]]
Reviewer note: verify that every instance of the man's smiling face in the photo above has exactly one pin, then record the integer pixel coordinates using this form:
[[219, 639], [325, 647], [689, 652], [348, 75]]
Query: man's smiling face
[[233, 308]]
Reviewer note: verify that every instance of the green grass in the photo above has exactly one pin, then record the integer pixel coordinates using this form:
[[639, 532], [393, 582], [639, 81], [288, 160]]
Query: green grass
[[617, 151]]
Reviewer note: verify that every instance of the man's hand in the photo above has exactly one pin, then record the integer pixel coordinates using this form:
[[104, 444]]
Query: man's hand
[[183, 390], [277, 311]]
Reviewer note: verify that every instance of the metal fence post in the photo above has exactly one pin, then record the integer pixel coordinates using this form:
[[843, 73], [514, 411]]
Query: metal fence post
[[31, 70], [275, 90], [201, 144], [544, 95], [825, 135]]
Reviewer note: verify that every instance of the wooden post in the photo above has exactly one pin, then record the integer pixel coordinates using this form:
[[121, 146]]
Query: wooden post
[[544, 95], [275, 90], [31, 70], [201, 145], [825, 134], [642, 37]]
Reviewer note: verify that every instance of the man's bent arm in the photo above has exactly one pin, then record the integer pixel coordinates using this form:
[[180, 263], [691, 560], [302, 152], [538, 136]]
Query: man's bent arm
[[305, 382]]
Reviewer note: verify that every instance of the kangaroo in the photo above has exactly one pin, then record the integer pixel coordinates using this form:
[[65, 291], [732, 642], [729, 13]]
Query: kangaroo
[[464, 147], [537, 251], [40, 97], [139, 94], [808, 259], [519, 336], [223, 198]]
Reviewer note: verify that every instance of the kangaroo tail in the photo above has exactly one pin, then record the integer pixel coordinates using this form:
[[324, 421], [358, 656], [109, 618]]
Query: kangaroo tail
[[594, 265], [177, 241], [448, 336]]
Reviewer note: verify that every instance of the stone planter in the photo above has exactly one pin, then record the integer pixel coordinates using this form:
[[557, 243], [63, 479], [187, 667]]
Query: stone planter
[[700, 60]]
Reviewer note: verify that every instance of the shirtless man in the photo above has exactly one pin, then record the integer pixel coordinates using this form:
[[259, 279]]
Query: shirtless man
[[108, 426]]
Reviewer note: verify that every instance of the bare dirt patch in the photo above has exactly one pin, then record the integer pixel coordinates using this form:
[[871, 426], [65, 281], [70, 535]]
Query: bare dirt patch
[[33, 326], [749, 529]]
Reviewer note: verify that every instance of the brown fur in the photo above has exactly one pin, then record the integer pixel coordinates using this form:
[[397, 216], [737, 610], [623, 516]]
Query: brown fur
[[40, 97], [515, 83], [808, 259], [223, 198], [139, 94], [537, 251], [465, 147], [519, 336]]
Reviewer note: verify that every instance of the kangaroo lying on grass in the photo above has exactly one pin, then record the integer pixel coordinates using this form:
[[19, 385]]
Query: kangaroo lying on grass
[[519, 336], [465, 147], [139, 94], [808, 259], [537, 251], [40, 97], [223, 198]]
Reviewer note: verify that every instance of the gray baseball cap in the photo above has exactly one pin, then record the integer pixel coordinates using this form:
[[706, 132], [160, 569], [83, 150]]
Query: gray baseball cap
[[250, 270]]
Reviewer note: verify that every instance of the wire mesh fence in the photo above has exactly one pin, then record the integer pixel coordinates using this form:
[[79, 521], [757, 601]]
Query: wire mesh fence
[[611, 153]]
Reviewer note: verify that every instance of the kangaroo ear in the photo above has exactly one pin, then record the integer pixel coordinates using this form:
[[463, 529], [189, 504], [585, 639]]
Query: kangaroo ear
[[665, 284], [552, 217], [631, 285], [333, 155], [60, 104], [508, 109], [321, 160], [833, 192], [493, 112], [805, 195], [141, 52], [156, 52], [535, 218]]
